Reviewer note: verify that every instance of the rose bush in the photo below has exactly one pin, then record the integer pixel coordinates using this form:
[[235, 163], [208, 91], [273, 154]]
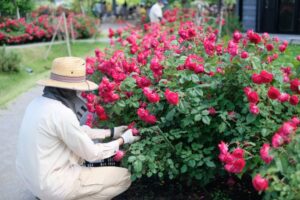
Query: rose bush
[[41, 27], [185, 92]]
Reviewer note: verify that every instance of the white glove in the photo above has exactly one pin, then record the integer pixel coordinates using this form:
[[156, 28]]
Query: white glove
[[118, 131], [129, 138]]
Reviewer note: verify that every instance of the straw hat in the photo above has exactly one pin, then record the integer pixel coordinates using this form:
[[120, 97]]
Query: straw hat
[[69, 73]]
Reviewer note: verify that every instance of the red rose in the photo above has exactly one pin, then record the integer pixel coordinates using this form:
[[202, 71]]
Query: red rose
[[152, 96], [236, 166], [101, 112], [244, 55], [172, 97], [256, 78], [270, 47], [253, 97], [238, 153], [298, 57], [294, 100], [294, 85], [259, 183], [266, 77], [273, 93]]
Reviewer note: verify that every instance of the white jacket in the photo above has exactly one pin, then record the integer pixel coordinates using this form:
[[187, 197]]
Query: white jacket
[[155, 13], [51, 143]]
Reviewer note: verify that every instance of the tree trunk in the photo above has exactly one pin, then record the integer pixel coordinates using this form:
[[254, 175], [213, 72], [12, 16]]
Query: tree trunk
[[17, 9]]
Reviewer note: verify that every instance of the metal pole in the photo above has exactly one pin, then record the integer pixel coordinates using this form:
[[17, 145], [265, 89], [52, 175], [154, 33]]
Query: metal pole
[[67, 34], [53, 37]]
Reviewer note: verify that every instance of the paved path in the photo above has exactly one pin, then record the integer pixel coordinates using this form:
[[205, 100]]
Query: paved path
[[11, 187]]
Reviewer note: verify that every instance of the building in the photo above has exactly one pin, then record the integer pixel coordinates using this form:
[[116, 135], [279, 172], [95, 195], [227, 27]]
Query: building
[[272, 16]]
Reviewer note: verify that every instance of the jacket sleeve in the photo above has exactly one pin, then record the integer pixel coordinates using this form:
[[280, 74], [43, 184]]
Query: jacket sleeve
[[94, 133], [72, 134]]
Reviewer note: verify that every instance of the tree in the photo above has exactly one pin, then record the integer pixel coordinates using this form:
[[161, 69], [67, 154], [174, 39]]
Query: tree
[[15, 8]]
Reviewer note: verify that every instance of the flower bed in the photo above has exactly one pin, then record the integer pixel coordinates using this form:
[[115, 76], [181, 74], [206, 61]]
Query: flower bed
[[41, 28], [186, 94]]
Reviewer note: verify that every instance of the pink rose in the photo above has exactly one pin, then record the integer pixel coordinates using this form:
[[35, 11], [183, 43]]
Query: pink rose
[[264, 153], [172, 97], [283, 97], [259, 183], [119, 156], [253, 108], [277, 140]]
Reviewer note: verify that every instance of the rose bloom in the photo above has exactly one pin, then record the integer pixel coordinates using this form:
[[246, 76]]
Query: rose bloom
[[277, 140], [264, 153], [283, 97], [253, 97], [294, 84], [266, 77], [298, 57], [294, 100], [259, 183], [256, 78], [172, 97], [244, 55], [253, 108], [223, 147], [273, 93], [236, 166]]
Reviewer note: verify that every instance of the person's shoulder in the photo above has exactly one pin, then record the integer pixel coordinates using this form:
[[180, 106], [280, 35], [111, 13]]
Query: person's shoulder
[[53, 105]]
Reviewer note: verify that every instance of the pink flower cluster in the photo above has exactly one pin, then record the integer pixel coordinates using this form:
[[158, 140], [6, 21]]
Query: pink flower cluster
[[107, 91], [234, 162], [253, 99], [146, 116]]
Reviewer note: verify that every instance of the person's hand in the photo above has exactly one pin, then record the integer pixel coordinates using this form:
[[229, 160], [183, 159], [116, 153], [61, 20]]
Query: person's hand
[[118, 131], [129, 138]]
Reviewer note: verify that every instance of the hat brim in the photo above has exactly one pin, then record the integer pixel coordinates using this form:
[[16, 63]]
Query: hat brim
[[81, 86]]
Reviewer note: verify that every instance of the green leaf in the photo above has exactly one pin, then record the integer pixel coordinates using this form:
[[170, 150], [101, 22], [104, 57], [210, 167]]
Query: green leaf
[[206, 120], [210, 164], [121, 103], [192, 163], [183, 169], [141, 157], [250, 118], [197, 117], [171, 114], [131, 158], [138, 165], [205, 112]]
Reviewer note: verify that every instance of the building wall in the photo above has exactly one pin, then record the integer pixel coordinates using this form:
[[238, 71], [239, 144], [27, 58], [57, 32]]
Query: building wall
[[249, 14]]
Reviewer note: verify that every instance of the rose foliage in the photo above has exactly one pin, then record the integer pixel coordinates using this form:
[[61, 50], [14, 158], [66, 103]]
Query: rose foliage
[[200, 104]]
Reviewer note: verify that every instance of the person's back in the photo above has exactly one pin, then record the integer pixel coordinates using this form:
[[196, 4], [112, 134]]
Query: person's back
[[155, 13], [43, 153]]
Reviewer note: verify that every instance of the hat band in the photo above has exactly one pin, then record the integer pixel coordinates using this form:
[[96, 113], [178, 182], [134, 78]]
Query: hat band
[[67, 79]]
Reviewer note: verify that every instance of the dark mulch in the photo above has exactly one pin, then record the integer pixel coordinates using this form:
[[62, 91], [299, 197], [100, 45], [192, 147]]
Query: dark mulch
[[221, 189]]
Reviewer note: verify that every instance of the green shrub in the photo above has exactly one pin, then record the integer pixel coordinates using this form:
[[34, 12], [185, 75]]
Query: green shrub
[[9, 61]]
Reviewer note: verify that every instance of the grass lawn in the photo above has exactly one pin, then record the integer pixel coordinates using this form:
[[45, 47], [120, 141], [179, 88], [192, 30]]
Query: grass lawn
[[13, 84]]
